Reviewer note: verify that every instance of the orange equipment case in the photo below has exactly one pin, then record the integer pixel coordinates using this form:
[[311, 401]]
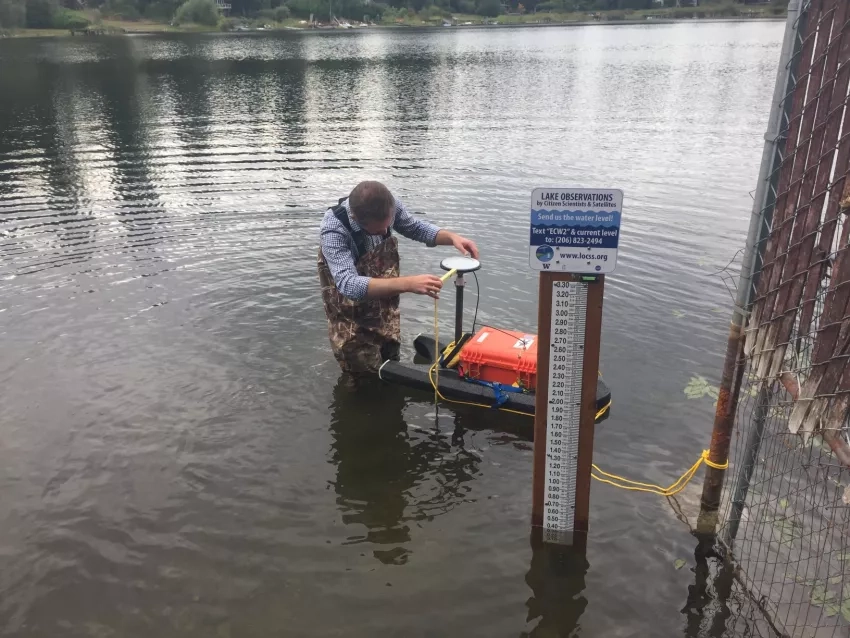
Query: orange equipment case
[[500, 356]]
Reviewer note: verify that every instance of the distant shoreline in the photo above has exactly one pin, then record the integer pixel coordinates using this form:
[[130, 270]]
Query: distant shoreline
[[584, 23], [126, 28]]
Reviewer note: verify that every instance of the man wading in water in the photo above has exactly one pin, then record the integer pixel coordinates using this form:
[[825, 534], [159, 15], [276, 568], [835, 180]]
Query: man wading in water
[[359, 273]]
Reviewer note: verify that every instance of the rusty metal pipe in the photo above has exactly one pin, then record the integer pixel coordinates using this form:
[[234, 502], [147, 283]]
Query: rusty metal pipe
[[760, 221], [724, 417]]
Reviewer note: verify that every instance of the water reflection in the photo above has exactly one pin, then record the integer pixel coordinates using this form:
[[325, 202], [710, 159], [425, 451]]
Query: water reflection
[[391, 478], [177, 181], [707, 609], [557, 581]]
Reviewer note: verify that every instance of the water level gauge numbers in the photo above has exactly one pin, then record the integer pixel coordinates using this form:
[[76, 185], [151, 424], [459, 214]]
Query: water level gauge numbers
[[566, 358]]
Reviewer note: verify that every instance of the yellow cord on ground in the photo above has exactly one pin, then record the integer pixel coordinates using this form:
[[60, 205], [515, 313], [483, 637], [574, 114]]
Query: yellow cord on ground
[[600, 475]]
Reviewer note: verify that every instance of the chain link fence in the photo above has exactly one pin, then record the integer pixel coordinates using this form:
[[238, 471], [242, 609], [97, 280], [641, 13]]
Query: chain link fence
[[786, 509]]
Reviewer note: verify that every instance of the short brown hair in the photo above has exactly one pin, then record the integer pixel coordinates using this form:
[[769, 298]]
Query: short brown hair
[[371, 201]]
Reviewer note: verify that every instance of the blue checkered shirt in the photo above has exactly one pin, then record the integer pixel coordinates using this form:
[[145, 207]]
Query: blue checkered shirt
[[341, 253]]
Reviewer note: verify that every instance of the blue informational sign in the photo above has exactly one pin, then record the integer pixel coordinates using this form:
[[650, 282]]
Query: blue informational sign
[[575, 230]]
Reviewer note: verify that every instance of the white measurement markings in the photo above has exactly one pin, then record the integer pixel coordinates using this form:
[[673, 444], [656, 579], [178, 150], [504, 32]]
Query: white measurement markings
[[566, 359]]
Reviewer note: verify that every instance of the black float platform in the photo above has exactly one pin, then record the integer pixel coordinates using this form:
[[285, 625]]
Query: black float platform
[[453, 387]]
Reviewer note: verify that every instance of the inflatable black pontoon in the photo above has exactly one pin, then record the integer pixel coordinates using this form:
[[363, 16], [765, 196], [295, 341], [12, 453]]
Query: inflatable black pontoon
[[451, 384]]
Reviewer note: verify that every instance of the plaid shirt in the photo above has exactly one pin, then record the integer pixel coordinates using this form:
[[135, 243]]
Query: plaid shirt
[[341, 253]]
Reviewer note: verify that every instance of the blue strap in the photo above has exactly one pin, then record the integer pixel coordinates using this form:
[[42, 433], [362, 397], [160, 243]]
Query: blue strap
[[500, 390]]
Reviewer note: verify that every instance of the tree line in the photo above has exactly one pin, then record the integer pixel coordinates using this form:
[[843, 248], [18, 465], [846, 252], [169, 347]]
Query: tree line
[[77, 14]]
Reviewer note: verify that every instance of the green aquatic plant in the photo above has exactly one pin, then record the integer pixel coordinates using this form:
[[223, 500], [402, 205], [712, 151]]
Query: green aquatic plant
[[699, 387], [829, 601], [789, 530]]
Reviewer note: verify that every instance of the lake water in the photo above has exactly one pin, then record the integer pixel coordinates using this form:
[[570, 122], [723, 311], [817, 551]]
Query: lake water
[[177, 454]]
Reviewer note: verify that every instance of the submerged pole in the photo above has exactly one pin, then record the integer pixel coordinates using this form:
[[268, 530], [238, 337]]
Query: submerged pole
[[760, 221]]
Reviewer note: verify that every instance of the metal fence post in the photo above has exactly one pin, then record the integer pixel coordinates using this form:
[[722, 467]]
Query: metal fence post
[[760, 222], [747, 466]]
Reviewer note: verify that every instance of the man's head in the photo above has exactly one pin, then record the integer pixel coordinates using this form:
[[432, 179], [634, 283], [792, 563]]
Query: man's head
[[372, 205]]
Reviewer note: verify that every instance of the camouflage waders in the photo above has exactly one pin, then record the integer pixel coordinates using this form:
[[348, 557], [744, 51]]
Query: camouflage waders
[[365, 333]]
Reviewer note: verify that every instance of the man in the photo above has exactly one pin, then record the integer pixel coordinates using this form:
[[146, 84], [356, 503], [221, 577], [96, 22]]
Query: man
[[359, 273]]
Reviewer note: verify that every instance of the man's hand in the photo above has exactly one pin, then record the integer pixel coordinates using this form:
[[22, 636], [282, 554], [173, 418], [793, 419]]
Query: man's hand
[[425, 285], [465, 246]]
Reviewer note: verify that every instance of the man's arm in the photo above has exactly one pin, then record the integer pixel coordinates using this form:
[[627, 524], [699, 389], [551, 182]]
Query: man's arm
[[429, 234], [340, 261], [413, 228], [420, 284]]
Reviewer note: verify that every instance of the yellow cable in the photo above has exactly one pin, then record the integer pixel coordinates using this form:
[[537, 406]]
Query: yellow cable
[[600, 475], [436, 366], [716, 466], [477, 405], [636, 486], [672, 490]]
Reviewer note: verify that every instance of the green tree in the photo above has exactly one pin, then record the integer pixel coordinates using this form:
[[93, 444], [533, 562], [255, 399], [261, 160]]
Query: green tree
[[635, 4], [303, 8], [279, 14], [490, 8], [249, 8], [67, 19], [464, 6], [376, 10], [197, 12], [126, 9], [13, 14], [162, 10], [40, 13]]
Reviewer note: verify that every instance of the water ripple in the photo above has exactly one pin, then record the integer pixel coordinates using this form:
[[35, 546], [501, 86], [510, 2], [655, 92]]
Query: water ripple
[[177, 455]]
